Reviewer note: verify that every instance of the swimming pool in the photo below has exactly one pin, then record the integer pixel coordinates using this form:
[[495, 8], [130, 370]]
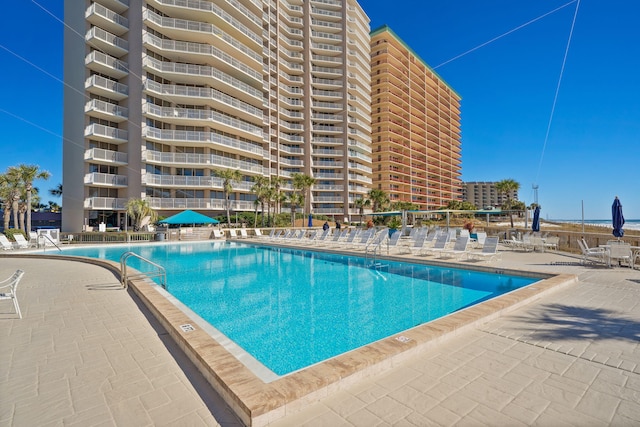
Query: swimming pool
[[291, 308]]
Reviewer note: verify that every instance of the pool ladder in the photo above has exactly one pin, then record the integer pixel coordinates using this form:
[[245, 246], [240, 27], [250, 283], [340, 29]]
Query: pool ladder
[[370, 255], [124, 276]]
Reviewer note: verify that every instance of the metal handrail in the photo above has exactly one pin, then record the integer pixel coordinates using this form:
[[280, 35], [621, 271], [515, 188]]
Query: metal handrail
[[44, 245], [124, 277]]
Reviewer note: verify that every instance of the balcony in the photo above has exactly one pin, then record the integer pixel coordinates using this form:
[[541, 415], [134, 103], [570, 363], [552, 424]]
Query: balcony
[[106, 110], [213, 204], [192, 159], [203, 74], [101, 86], [105, 180], [107, 19], [105, 203], [107, 42], [102, 156], [195, 117], [118, 6], [181, 181], [106, 134], [105, 64], [197, 138], [204, 96]]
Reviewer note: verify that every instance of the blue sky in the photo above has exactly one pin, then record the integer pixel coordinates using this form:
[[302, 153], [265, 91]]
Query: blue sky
[[508, 86]]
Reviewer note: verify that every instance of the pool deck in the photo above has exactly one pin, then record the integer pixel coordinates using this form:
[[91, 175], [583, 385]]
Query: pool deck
[[89, 353]]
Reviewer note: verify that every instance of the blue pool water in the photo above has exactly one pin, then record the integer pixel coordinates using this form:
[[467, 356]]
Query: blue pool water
[[291, 308]]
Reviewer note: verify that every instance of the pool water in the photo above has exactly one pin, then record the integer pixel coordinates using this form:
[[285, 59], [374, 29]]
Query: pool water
[[291, 308]]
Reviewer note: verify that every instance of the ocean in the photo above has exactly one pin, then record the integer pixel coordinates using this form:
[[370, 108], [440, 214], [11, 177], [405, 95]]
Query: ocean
[[630, 224]]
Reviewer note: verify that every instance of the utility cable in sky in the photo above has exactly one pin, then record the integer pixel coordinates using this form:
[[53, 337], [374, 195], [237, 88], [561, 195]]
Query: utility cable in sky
[[555, 98], [505, 34]]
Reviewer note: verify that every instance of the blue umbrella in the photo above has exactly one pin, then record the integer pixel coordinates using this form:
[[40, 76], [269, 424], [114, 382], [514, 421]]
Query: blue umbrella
[[535, 226], [310, 223], [617, 217]]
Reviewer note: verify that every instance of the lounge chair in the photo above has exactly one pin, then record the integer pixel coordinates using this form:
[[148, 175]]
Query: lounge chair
[[459, 248], [21, 242], [218, 234], [232, 233], [439, 245], [489, 250], [258, 233], [6, 244], [11, 284], [243, 233], [552, 242], [595, 254]]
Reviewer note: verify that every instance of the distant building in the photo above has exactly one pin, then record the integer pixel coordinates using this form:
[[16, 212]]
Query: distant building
[[484, 194], [415, 128], [39, 220]]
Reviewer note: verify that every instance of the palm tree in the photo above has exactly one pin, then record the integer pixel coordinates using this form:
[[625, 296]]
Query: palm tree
[[26, 175], [361, 203], [294, 200], [276, 183], [303, 183], [138, 209], [379, 199], [259, 187], [6, 197], [228, 176], [56, 192], [507, 187]]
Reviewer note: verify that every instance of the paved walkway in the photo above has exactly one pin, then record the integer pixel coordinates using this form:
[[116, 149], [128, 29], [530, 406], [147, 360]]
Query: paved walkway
[[87, 353]]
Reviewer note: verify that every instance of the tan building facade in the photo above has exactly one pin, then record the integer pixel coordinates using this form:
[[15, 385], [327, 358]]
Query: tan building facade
[[160, 94], [416, 135], [484, 194]]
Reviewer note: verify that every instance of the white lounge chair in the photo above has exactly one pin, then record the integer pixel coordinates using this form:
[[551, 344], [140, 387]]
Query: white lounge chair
[[218, 234], [11, 285], [595, 254], [620, 252], [232, 233], [459, 248], [243, 233], [6, 244], [489, 250], [439, 245], [21, 242]]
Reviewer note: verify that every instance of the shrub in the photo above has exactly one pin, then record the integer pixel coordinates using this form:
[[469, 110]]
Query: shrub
[[13, 231]]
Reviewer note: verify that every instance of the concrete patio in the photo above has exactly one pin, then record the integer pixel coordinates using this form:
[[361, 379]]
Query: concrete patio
[[88, 353]]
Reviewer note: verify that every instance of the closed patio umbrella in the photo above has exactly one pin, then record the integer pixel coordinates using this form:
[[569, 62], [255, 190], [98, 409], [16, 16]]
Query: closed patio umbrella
[[617, 218], [535, 225], [310, 223]]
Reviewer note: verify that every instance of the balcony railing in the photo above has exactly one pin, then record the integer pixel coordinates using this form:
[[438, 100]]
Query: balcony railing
[[105, 156], [106, 133], [201, 137], [117, 112], [103, 61], [105, 203], [202, 160], [105, 179]]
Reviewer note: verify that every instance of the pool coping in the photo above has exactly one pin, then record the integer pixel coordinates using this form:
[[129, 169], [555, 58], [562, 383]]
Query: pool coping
[[257, 403]]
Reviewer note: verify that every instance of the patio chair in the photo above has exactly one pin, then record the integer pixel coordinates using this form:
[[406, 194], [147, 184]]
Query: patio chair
[[6, 244], [218, 234], [552, 242], [489, 250], [21, 242], [621, 252], [458, 250], [438, 246], [243, 233], [232, 233], [12, 284], [596, 254]]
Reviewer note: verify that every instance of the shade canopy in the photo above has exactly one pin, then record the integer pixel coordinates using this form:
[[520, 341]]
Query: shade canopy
[[535, 225], [617, 218], [189, 217]]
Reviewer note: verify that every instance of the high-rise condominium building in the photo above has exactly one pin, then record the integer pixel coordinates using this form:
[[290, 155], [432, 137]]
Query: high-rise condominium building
[[161, 94], [415, 126], [484, 194]]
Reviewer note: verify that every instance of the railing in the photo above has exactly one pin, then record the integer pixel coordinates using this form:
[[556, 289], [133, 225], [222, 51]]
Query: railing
[[44, 238], [124, 277]]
